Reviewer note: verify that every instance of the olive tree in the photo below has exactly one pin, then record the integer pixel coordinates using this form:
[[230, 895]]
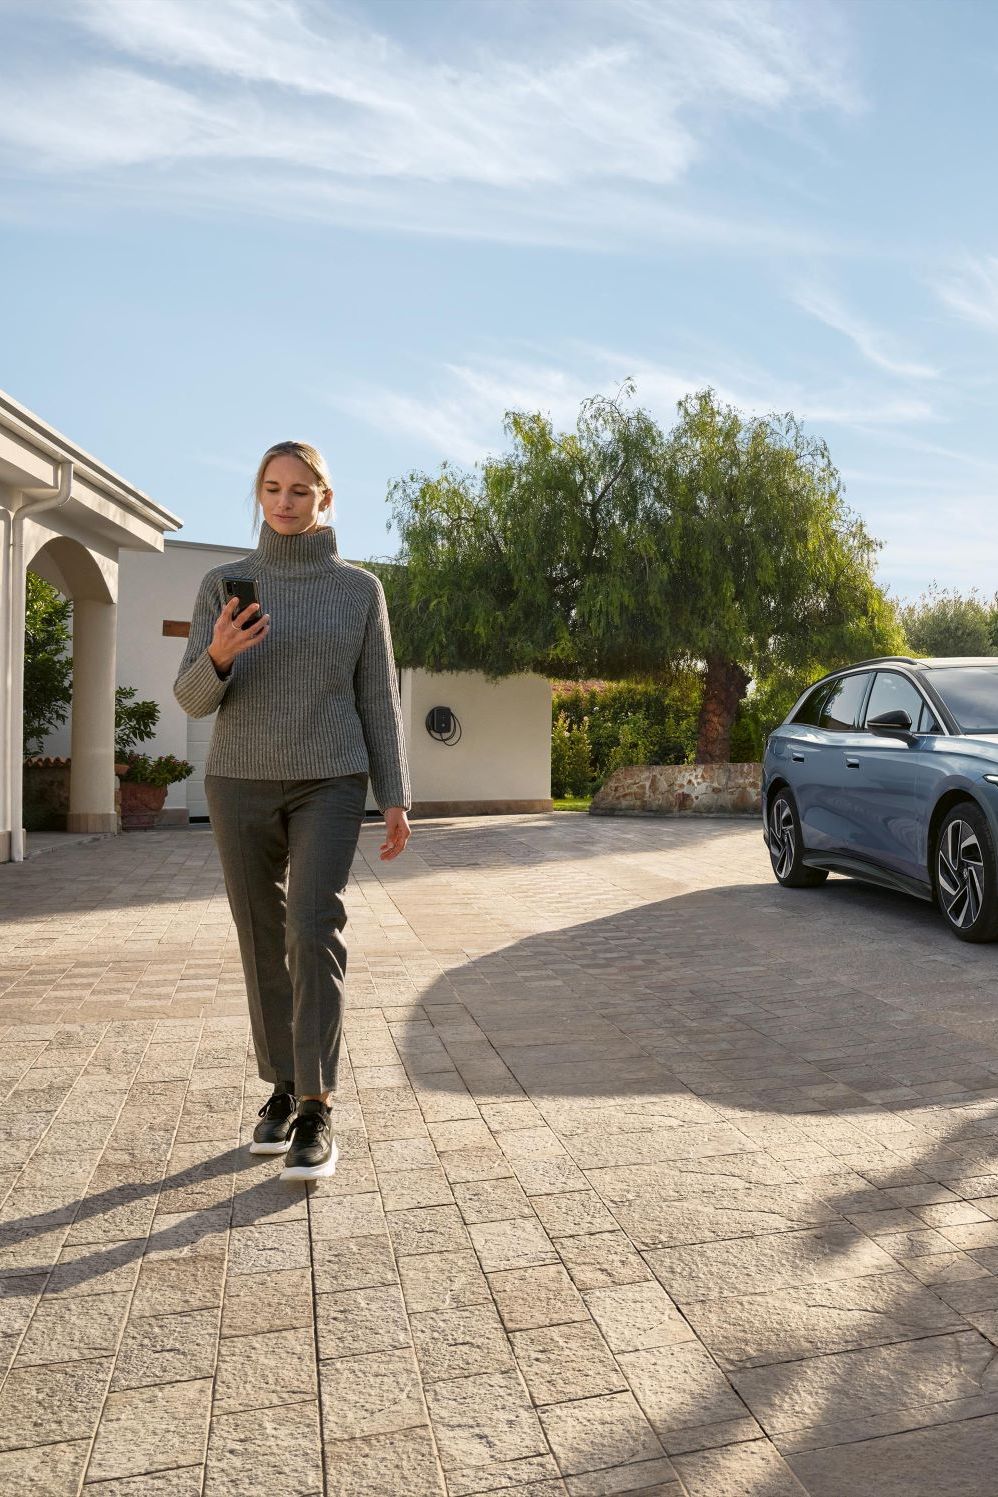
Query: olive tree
[[946, 622]]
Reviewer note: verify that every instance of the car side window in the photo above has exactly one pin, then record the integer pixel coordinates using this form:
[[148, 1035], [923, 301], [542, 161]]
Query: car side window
[[893, 692], [841, 711], [809, 711], [928, 722]]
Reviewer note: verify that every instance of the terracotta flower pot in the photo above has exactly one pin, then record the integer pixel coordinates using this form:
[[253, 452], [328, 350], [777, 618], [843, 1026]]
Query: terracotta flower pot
[[140, 805]]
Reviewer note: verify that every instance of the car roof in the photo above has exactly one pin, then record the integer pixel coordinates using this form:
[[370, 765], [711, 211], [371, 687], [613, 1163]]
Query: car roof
[[911, 662], [946, 662]]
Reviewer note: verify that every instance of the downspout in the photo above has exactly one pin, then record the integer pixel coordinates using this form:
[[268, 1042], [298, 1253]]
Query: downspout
[[15, 632], [5, 522]]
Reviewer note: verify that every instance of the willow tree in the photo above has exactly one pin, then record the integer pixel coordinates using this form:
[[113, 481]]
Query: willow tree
[[618, 551], [776, 573], [547, 558]]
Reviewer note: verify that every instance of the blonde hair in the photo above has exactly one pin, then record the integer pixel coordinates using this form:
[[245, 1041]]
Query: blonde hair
[[305, 453]]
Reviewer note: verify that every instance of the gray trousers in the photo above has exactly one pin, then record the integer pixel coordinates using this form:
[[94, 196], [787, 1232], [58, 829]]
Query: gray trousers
[[286, 847]]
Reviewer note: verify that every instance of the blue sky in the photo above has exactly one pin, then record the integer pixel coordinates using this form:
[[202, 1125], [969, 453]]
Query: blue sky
[[379, 225]]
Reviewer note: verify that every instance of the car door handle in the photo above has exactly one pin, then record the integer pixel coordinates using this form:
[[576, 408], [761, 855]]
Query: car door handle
[[796, 757], [851, 761]]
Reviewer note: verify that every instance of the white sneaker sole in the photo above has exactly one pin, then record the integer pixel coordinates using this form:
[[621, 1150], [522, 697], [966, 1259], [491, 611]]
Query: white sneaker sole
[[283, 1148], [313, 1171]]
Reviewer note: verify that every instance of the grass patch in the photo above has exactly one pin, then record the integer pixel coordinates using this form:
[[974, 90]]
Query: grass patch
[[573, 803]]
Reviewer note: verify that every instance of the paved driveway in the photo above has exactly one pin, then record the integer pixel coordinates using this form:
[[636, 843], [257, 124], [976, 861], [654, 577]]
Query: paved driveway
[[655, 1178]]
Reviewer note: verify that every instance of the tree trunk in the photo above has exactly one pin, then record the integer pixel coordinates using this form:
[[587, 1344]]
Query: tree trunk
[[724, 688]]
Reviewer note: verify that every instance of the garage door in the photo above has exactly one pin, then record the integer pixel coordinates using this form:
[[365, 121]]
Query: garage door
[[199, 731], [198, 738]]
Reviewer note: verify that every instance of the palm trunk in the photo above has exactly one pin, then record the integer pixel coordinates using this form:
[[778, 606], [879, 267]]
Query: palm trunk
[[724, 688]]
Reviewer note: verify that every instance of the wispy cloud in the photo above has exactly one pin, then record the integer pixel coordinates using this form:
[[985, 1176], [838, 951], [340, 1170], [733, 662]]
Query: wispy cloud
[[972, 291], [875, 346], [761, 53], [579, 107], [953, 542], [457, 413]]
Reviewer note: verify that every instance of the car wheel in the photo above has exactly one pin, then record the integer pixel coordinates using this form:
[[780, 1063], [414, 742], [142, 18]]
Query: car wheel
[[786, 845], [966, 874]]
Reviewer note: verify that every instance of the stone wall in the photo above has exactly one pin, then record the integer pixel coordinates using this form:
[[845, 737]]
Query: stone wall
[[46, 794], [681, 790]]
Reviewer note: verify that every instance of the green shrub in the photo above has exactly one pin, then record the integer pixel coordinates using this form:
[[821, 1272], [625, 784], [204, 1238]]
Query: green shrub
[[747, 738], [165, 770], [633, 745], [629, 722], [559, 756], [134, 721], [579, 778], [947, 622], [48, 665], [637, 722], [571, 758]]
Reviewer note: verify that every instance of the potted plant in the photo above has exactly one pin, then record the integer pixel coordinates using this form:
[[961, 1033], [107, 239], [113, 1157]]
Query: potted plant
[[144, 781], [144, 784]]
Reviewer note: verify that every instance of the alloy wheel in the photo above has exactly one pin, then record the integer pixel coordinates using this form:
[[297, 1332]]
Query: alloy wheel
[[960, 873], [782, 837]]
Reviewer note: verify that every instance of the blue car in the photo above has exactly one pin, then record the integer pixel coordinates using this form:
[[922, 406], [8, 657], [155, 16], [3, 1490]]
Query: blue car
[[888, 771]]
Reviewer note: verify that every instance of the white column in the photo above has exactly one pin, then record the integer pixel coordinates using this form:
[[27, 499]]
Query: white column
[[6, 706], [92, 783]]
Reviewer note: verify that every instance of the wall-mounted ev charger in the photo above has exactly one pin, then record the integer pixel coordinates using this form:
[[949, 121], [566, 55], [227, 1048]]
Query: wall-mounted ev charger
[[442, 724]]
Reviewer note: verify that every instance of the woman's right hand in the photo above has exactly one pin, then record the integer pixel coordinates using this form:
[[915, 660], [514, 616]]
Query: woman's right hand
[[231, 639]]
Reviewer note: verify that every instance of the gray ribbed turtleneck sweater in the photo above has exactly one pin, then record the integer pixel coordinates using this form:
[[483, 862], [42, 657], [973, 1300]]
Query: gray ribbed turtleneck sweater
[[319, 697]]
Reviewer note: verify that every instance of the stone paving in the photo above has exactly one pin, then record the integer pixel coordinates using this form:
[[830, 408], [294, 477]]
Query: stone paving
[[654, 1178]]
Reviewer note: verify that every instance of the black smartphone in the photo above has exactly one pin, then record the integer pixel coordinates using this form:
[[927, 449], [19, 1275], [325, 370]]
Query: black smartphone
[[244, 588]]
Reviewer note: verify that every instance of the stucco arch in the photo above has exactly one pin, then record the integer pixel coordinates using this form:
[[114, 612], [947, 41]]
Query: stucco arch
[[75, 570], [64, 516]]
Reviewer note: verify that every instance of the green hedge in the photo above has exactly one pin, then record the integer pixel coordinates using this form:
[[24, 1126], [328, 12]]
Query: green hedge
[[598, 727]]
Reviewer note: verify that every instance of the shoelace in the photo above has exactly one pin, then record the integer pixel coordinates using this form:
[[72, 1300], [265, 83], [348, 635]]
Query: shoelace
[[311, 1125], [281, 1097]]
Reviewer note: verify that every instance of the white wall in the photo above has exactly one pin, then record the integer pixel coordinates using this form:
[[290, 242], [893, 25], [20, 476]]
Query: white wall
[[504, 753], [151, 589]]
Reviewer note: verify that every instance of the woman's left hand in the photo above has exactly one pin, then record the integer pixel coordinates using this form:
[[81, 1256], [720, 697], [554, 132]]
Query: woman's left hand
[[397, 833]]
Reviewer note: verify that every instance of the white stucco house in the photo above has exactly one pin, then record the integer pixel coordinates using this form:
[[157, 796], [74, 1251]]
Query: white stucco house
[[72, 520], [500, 763], [103, 543]]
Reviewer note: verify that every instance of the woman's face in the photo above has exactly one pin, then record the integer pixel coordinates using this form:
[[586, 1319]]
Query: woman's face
[[291, 496]]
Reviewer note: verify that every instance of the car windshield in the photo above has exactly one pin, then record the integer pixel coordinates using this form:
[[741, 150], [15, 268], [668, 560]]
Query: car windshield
[[971, 694]]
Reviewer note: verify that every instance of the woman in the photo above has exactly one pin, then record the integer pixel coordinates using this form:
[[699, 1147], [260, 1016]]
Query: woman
[[307, 699]]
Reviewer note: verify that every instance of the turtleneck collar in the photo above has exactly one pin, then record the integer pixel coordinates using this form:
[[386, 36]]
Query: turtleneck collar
[[315, 551]]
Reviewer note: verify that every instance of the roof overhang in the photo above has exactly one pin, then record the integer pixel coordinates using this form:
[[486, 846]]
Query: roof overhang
[[101, 501]]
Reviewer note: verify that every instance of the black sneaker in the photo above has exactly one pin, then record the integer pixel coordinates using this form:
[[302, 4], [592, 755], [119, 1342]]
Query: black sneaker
[[312, 1153], [273, 1134]]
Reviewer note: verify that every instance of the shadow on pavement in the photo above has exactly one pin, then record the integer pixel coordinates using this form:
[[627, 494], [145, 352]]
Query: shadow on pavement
[[788, 1102], [189, 1226]]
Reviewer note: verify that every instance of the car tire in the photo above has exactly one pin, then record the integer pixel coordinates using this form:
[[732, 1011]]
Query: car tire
[[786, 845], [965, 874]]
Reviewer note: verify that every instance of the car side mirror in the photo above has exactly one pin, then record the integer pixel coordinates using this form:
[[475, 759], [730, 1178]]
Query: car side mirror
[[896, 724]]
